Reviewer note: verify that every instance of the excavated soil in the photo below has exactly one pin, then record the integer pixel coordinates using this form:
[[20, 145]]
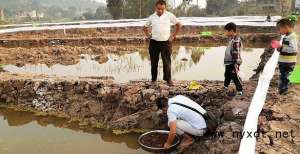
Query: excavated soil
[[126, 35], [54, 47], [70, 55], [65, 55], [124, 108]]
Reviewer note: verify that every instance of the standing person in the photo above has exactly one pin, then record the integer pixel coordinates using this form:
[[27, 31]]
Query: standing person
[[269, 18], [185, 118], [161, 39], [288, 53], [233, 58]]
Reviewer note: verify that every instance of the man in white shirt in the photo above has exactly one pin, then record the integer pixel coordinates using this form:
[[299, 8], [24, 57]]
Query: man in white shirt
[[182, 120], [161, 38]]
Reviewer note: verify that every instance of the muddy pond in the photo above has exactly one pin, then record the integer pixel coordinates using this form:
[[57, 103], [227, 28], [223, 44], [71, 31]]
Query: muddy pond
[[26, 133], [23, 132], [188, 63]]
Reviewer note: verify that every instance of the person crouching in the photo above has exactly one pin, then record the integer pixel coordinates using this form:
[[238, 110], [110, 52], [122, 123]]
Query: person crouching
[[184, 119]]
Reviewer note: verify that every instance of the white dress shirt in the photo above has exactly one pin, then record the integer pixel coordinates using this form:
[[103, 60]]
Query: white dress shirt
[[161, 25]]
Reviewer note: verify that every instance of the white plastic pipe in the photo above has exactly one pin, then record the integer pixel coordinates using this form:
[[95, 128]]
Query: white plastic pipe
[[248, 144]]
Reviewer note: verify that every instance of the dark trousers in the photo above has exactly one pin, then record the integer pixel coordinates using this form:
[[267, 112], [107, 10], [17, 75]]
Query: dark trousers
[[285, 72], [165, 49], [231, 73]]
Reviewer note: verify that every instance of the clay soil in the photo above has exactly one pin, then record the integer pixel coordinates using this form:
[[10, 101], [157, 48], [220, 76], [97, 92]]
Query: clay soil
[[53, 47]]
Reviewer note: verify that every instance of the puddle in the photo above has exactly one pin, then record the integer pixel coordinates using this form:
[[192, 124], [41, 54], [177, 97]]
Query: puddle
[[188, 63], [23, 132]]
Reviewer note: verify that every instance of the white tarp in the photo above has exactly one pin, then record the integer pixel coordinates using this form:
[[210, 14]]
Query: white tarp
[[248, 144], [189, 21]]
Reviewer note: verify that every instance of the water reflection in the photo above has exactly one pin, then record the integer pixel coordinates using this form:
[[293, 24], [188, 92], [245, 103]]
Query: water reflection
[[23, 132], [188, 63]]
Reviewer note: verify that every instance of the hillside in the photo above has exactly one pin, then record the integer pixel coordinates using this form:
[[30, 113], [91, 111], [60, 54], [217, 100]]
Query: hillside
[[26, 5]]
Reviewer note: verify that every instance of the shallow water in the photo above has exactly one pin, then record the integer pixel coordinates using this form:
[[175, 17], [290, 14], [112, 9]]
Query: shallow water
[[188, 63], [25, 133]]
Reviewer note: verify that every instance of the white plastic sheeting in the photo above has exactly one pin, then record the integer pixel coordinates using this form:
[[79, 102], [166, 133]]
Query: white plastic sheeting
[[248, 144], [190, 21]]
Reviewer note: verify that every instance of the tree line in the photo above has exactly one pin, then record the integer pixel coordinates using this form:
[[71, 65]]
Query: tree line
[[51, 9], [143, 8]]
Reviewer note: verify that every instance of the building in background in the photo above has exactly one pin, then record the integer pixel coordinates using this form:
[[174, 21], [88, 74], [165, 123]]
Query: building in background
[[31, 14]]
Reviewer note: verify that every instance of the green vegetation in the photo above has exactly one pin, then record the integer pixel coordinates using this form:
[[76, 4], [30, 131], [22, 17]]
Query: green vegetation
[[295, 77], [143, 8], [206, 34], [130, 8]]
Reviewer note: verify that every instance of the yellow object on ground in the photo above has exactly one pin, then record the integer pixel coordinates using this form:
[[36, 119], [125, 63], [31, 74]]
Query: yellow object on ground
[[194, 85]]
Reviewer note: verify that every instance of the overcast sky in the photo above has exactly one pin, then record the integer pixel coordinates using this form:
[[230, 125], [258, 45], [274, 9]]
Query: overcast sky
[[202, 3]]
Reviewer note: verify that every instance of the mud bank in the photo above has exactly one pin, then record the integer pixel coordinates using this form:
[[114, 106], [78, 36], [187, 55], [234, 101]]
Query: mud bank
[[65, 55], [125, 35], [40, 42], [70, 55], [279, 123], [121, 107]]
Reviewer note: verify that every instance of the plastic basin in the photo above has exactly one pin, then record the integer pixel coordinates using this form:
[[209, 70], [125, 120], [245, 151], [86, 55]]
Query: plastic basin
[[149, 148]]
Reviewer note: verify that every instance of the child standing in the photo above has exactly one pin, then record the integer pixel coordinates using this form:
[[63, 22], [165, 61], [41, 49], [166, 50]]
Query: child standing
[[288, 53], [233, 60]]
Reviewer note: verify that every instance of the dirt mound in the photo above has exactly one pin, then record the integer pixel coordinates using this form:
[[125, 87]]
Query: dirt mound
[[65, 55]]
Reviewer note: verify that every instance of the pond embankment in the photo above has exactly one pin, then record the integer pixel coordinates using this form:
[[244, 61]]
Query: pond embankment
[[126, 35], [120, 107]]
